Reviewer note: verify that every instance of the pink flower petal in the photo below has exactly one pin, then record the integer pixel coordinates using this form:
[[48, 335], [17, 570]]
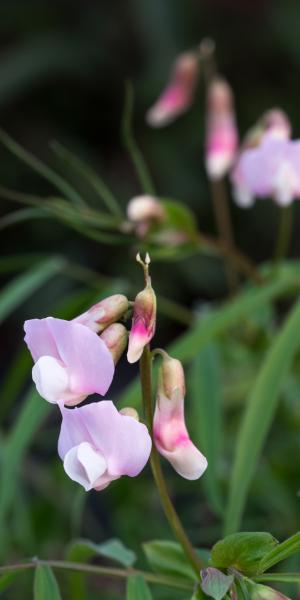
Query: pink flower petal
[[39, 339]]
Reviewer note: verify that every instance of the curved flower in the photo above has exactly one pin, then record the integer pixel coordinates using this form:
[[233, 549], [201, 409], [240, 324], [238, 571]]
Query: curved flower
[[143, 322], [98, 444], [170, 433], [71, 361], [271, 170], [178, 95]]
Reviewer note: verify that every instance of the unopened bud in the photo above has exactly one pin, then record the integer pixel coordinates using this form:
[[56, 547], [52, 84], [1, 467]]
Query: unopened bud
[[170, 433], [262, 592], [221, 129], [105, 312], [115, 337], [145, 208], [128, 411], [273, 124], [143, 322], [178, 95]]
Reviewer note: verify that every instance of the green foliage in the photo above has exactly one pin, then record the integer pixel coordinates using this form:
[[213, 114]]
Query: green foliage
[[45, 584], [242, 551], [137, 589], [83, 550], [281, 552], [169, 558]]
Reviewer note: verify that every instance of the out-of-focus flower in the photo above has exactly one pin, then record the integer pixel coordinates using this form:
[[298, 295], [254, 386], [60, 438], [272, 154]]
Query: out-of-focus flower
[[221, 129], [71, 361], [270, 170], [143, 211], [105, 312], [115, 337], [143, 322], [169, 430], [98, 444], [179, 93]]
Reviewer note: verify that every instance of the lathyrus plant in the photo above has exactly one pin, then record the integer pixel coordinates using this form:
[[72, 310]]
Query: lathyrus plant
[[100, 442]]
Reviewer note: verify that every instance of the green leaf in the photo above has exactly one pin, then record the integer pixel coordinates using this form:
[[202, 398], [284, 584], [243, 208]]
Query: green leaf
[[21, 215], [259, 414], [205, 417], [137, 588], [214, 583], [7, 579], [23, 286], [82, 550], [45, 585], [37, 165], [179, 216], [198, 594], [169, 558], [280, 577], [87, 173], [281, 552], [131, 145], [242, 551], [220, 320]]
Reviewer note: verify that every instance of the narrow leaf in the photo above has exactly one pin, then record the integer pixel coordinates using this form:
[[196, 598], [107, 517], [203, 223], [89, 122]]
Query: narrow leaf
[[281, 552], [82, 550], [7, 579], [137, 589], [205, 417], [259, 414], [45, 585]]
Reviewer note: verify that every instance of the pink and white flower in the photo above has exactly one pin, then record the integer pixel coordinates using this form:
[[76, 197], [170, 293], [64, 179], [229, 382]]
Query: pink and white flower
[[169, 429], [98, 444], [272, 170], [179, 93], [143, 322], [221, 130], [107, 311], [71, 361]]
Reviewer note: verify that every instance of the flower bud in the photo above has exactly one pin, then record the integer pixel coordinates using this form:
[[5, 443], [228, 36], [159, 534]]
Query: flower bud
[[263, 592], [178, 95], [169, 429], [115, 337], [143, 211], [221, 130], [143, 322], [105, 312]]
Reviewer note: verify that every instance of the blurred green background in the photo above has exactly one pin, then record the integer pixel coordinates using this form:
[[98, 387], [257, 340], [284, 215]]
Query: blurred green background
[[63, 67]]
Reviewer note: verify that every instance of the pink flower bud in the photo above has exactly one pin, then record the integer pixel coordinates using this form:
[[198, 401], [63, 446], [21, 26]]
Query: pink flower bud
[[178, 95], [143, 322], [104, 313], [276, 123], [115, 337], [221, 130], [170, 433], [144, 211], [263, 592]]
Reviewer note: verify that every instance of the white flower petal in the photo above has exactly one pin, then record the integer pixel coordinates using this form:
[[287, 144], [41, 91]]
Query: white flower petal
[[85, 465]]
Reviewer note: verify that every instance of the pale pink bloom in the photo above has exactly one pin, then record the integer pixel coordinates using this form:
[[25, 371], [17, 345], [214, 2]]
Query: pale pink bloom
[[169, 429], [221, 129], [143, 323], [71, 361], [143, 211], [179, 93], [104, 313], [270, 170], [98, 444]]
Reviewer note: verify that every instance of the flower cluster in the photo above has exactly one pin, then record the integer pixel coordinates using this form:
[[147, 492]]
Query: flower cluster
[[73, 359]]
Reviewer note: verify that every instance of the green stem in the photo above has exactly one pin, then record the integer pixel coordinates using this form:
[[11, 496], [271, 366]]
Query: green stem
[[170, 512], [223, 220], [284, 233], [164, 580]]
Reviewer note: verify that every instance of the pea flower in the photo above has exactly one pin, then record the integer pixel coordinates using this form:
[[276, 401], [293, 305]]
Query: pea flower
[[98, 444], [178, 95], [144, 317], [270, 170], [169, 429], [221, 129], [71, 361], [105, 312]]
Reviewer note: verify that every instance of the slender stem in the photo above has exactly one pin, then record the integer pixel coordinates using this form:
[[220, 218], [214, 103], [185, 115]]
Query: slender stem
[[167, 581], [284, 233], [170, 512]]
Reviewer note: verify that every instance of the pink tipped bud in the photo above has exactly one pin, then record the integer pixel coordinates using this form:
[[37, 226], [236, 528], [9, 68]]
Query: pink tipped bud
[[263, 592], [105, 312], [128, 411], [143, 323], [145, 208], [221, 130], [276, 123], [170, 433], [178, 95], [115, 337]]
